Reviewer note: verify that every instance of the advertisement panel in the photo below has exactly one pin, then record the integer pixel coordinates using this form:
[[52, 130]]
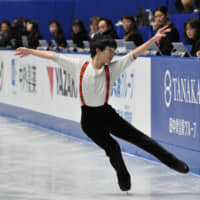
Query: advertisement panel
[[175, 97], [130, 94], [43, 86]]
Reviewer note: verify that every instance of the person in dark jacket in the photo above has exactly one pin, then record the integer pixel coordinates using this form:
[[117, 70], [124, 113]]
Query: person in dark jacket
[[131, 31], [106, 28], [57, 34], [5, 34], [79, 34], [33, 34], [192, 34], [18, 30], [161, 19]]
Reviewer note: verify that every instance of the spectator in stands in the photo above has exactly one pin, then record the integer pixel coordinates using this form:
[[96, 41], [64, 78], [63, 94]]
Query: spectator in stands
[[5, 34], [186, 6], [79, 34], [161, 19], [192, 34], [57, 34], [33, 34], [106, 28], [131, 31], [18, 30], [94, 26]]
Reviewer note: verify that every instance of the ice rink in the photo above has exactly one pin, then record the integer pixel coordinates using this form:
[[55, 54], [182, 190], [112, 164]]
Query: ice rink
[[40, 164]]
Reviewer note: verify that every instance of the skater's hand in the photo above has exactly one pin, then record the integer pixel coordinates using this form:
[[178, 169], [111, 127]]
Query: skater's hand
[[22, 51], [142, 49], [162, 32], [198, 54]]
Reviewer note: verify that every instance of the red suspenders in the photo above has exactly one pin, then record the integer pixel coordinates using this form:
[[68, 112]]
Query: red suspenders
[[107, 82]]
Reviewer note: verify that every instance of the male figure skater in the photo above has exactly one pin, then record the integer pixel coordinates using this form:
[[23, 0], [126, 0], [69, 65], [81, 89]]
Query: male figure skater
[[98, 119]]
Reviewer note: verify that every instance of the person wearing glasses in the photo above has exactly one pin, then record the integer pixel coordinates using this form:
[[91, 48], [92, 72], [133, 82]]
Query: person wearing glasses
[[160, 19]]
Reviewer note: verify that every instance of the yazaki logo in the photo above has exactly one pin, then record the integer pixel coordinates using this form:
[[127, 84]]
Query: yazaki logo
[[51, 80], [65, 84]]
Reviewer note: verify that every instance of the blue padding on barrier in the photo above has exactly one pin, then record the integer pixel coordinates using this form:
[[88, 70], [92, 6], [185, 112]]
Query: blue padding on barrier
[[58, 124], [175, 108]]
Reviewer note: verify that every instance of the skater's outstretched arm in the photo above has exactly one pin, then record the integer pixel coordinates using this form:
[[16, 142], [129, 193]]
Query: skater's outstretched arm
[[118, 66], [144, 47], [67, 63], [22, 52]]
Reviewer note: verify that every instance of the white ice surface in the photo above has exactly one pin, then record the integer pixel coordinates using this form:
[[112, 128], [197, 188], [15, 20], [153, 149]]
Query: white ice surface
[[39, 164]]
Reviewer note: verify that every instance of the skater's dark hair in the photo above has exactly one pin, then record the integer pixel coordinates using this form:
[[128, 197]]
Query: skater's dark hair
[[101, 42]]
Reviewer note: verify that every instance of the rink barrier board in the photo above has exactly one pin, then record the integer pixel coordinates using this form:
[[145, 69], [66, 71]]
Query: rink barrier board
[[43, 101], [175, 106]]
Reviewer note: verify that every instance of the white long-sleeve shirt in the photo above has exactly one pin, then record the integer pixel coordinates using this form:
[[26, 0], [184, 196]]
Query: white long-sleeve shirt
[[94, 80]]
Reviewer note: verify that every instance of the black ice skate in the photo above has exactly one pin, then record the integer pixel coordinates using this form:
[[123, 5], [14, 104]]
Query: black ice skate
[[176, 164], [124, 181]]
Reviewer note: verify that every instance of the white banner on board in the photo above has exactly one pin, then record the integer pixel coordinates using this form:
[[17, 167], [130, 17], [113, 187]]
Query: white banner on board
[[42, 86]]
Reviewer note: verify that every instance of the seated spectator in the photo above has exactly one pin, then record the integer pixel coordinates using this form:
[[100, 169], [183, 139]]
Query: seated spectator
[[161, 19], [79, 34], [94, 26], [18, 30], [186, 6], [57, 34], [131, 31], [5, 34], [106, 28], [33, 34], [192, 34]]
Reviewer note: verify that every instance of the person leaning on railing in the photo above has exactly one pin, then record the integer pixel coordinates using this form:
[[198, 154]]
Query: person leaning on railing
[[33, 34], [57, 34], [79, 34], [160, 19]]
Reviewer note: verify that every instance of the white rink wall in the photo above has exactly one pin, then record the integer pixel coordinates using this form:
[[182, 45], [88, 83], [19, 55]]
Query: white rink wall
[[42, 86]]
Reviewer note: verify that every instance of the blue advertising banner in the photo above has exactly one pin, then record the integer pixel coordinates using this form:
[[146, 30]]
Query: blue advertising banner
[[175, 102]]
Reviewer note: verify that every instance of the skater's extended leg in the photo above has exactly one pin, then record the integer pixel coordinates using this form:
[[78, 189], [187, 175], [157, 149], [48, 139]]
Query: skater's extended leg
[[122, 129]]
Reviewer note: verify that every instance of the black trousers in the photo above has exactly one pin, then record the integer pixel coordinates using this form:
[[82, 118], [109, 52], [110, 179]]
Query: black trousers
[[100, 122]]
